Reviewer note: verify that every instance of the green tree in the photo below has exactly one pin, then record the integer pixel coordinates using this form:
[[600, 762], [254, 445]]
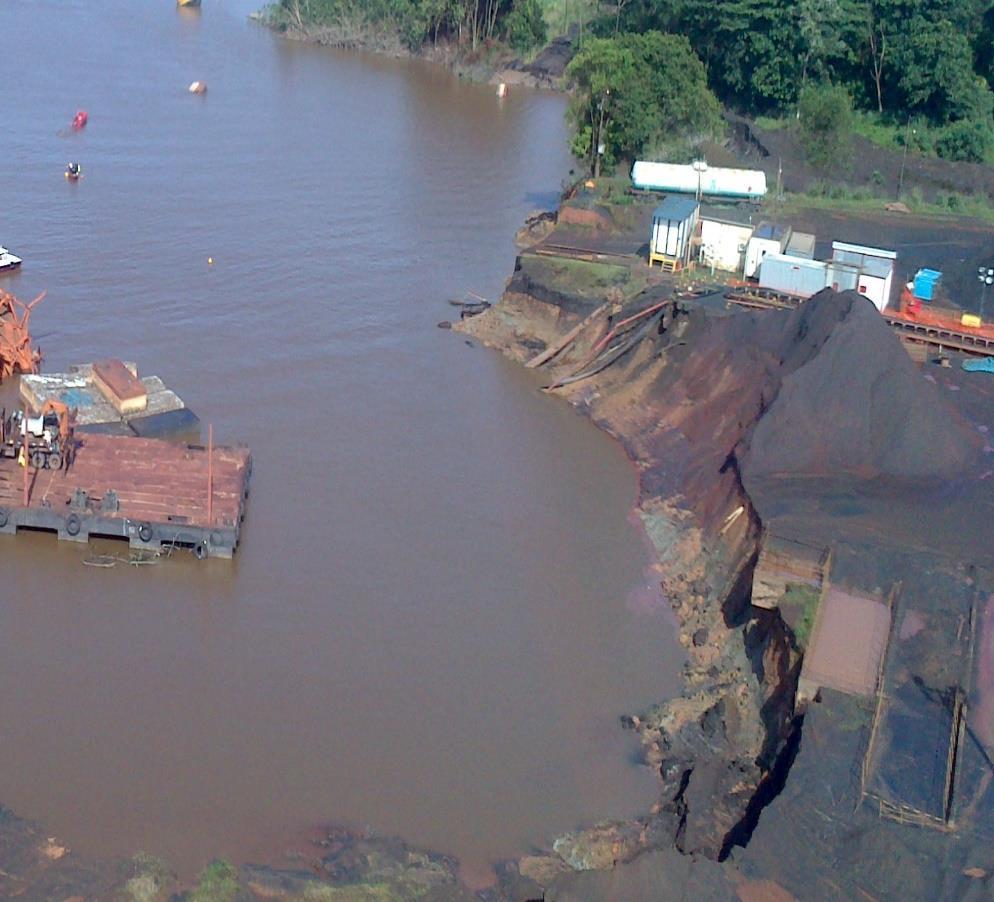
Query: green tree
[[968, 140], [825, 122], [933, 64], [524, 27], [635, 89]]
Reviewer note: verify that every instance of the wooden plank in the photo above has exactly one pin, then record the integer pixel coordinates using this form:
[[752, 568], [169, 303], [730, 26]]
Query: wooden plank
[[551, 352]]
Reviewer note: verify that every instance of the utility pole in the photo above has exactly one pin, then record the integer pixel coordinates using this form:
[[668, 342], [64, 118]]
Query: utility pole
[[904, 157], [599, 145]]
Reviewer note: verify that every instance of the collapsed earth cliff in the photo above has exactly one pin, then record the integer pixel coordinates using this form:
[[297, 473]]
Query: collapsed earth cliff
[[719, 407]]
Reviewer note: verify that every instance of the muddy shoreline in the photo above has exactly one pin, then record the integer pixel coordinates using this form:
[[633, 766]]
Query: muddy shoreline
[[490, 64], [719, 743]]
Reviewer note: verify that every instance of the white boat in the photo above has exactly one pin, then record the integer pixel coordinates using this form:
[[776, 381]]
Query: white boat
[[8, 260]]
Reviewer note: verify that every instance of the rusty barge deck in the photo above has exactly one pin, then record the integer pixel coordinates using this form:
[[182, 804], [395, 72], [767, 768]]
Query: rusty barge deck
[[155, 494]]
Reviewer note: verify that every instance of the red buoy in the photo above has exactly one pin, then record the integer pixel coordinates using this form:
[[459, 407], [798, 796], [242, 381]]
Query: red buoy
[[79, 120]]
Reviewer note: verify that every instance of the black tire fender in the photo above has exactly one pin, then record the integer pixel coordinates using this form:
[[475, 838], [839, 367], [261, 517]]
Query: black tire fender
[[38, 460], [73, 524], [145, 532], [201, 551], [4, 516]]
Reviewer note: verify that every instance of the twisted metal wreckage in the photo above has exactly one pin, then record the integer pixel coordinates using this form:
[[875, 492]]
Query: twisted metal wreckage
[[17, 352]]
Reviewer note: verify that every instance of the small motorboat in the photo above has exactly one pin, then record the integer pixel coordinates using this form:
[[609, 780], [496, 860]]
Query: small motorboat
[[8, 261], [188, 2], [198, 87], [79, 120], [74, 172]]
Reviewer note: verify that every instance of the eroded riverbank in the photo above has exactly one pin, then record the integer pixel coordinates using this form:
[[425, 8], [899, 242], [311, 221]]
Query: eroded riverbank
[[811, 427]]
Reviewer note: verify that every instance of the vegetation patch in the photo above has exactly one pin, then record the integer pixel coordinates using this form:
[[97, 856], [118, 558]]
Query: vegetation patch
[[591, 281], [152, 878], [218, 882], [799, 605]]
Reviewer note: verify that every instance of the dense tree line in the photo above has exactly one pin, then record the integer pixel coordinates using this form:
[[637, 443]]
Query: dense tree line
[[904, 59], [651, 69], [519, 23]]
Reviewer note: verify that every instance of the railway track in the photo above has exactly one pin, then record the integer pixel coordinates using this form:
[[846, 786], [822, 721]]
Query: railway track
[[576, 253]]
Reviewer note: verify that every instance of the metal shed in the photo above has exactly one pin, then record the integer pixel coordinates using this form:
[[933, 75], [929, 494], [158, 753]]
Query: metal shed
[[801, 244], [768, 238], [868, 270], [673, 224]]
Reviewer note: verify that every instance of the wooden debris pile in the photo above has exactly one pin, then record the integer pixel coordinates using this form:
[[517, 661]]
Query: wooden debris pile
[[17, 352]]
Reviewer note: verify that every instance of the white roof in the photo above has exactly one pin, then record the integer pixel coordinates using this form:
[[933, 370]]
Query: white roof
[[862, 249]]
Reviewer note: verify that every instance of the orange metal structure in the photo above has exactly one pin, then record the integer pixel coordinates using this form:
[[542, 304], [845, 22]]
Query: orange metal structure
[[17, 353], [912, 310], [67, 417]]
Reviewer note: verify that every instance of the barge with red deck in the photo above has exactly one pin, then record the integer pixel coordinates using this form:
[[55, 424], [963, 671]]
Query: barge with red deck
[[157, 495]]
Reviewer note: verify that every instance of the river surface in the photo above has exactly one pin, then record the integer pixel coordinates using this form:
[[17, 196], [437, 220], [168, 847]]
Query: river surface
[[438, 609]]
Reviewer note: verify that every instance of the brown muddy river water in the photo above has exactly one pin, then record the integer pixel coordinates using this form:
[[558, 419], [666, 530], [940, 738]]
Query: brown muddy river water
[[438, 609]]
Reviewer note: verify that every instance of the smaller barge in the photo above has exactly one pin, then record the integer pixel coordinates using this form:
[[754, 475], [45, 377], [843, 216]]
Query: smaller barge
[[109, 397], [158, 495]]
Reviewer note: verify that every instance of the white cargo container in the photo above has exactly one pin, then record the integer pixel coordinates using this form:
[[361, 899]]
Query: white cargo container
[[699, 180], [868, 270], [768, 238], [723, 243]]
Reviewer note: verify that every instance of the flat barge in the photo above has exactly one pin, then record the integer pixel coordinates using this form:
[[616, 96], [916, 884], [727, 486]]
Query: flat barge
[[158, 495]]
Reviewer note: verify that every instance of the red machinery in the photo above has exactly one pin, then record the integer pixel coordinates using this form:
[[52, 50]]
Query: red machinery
[[17, 354], [79, 120]]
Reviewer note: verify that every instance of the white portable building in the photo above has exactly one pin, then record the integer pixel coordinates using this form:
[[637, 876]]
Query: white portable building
[[793, 275], [673, 225], [868, 270], [723, 243], [768, 238], [699, 179]]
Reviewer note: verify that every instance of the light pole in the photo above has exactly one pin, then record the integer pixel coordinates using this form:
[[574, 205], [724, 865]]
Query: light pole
[[985, 276], [904, 157], [700, 167]]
